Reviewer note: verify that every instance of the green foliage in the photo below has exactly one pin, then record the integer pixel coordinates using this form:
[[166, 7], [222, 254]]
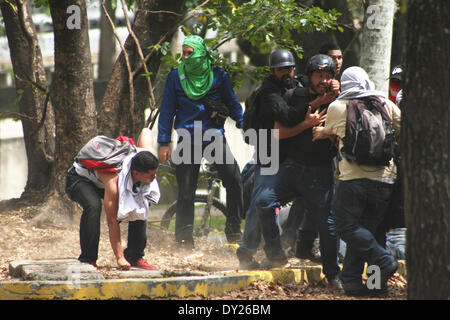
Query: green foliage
[[39, 3], [266, 24]]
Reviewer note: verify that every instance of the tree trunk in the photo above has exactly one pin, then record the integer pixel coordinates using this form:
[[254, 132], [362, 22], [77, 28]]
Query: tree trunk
[[106, 56], [73, 99], [37, 118], [376, 42], [425, 141], [153, 20]]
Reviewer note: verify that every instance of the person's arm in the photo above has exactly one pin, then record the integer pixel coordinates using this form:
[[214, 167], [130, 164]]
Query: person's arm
[[111, 203], [145, 141], [319, 133], [329, 131], [230, 99], [167, 110], [166, 115], [311, 120]]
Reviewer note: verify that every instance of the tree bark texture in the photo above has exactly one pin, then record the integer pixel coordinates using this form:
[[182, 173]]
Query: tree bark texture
[[153, 20], [107, 52], [73, 96], [376, 42], [425, 143], [37, 118]]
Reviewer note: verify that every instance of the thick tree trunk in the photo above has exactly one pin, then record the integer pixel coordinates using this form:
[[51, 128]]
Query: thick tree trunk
[[30, 79], [376, 42], [425, 141], [73, 99], [153, 20]]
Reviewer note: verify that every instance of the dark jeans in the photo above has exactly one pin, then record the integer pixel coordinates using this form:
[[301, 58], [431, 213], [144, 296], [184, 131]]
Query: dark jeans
[[300, 225], [359, 207], [395, 216], [90, 197], [187, 177], [252, 228], [315, 185]]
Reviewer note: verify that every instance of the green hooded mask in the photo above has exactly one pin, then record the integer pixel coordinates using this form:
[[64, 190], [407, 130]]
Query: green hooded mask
[[196, 72]]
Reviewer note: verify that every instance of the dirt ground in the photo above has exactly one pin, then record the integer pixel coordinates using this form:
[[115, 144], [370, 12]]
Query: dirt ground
[[20, 240]]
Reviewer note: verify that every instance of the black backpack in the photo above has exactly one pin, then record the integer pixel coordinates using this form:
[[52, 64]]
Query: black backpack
[[251, 119], [369, 137]]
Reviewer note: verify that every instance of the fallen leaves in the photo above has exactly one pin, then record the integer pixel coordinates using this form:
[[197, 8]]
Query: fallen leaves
[[20, 240]]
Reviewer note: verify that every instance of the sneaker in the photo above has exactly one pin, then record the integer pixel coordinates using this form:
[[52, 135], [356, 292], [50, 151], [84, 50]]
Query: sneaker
[[247, 262], [303, 252], [234, 237], [143, 264], [250, 264], [94, 265], [272, 264], [233, 231], [335, 283]]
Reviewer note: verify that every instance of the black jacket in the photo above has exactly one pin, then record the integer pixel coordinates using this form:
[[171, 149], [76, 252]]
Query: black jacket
[[301, 148], [272, 107]]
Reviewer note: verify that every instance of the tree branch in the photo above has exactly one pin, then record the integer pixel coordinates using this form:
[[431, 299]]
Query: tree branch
[[125, 54], [141, 55]]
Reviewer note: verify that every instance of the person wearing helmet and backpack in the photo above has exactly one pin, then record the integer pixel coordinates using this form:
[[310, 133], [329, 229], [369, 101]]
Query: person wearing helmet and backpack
[[270, 108], [366, 178]]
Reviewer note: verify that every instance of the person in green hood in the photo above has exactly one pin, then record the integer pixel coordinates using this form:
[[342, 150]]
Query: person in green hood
[[189, 92]]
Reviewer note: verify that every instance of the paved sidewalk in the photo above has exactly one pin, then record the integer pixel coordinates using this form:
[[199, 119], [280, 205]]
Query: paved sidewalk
[[66, 279]]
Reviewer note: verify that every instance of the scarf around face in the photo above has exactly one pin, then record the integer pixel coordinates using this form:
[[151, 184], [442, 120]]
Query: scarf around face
[[196, 71], [355, 84]]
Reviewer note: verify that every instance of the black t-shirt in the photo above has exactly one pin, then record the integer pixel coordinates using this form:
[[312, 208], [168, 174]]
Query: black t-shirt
[[301, 148], [272, 107]]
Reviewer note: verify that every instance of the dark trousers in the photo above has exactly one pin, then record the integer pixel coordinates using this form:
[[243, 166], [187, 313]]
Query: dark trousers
[[315, 185], [359, 208], [253, 229], [299, 225], [90, 197], [187, 178]]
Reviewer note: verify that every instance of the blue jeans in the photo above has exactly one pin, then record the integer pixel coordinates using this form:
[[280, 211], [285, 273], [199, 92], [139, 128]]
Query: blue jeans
[[359, 207], [315, 185], [252, 228], [90, 197]]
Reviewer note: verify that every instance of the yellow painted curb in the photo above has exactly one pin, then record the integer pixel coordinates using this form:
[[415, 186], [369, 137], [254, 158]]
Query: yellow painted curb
[[151, 288], [180, 287]]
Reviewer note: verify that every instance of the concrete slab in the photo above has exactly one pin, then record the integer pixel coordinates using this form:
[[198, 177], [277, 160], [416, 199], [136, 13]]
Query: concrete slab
[[135, 273], [54, 270]]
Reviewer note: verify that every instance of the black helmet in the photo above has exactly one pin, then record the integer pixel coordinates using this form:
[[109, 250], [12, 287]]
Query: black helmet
[[320, 62], [397, 73], [281, 58]]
